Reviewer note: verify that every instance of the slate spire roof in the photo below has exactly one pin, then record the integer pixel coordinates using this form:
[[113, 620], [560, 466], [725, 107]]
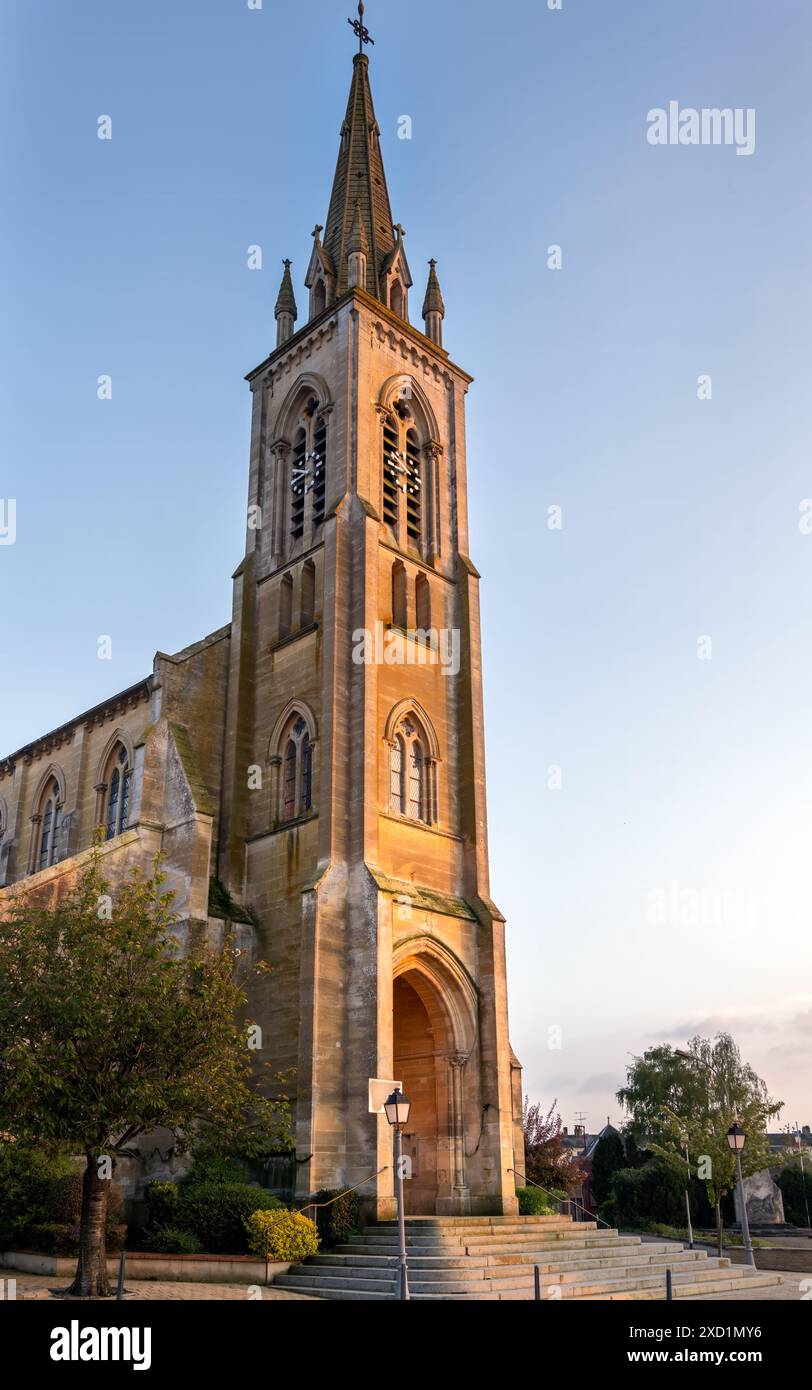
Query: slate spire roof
[[286, 303], [433, 303], [359, 179]]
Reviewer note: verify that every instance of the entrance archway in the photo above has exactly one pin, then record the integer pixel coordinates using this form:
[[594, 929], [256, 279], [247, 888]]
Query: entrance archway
[[434, 1034]]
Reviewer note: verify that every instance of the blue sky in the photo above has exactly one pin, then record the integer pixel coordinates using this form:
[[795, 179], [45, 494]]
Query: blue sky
[[683, 778]]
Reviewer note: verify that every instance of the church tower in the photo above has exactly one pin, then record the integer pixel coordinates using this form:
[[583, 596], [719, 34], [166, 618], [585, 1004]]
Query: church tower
[[353, 816]]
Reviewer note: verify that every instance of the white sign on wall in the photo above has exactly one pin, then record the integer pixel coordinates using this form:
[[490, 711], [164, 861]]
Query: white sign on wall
[[379, 1093]]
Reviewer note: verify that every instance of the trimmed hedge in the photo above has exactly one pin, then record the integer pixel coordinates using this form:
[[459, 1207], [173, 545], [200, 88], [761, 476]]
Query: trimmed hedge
[[171, 1240], [216, 1213], [282, 1236], [62, 1238], [533, 1201], [163, 1200], [340, 1219]]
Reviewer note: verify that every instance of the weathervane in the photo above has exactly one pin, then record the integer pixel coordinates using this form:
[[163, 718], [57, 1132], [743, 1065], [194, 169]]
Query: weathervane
[[359, 28]]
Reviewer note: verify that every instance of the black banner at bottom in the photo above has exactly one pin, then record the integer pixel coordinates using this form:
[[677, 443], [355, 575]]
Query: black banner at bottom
[[51, 1339]]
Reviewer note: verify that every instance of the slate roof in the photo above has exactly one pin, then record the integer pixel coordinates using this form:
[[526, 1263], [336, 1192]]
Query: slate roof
[[360, 178]]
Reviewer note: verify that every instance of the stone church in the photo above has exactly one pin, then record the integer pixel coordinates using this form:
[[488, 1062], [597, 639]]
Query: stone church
[[315, 769]]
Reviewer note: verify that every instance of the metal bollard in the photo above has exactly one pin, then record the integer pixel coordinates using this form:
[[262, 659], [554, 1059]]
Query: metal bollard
[[537, 1282], [120, 1288], [669, 1287]]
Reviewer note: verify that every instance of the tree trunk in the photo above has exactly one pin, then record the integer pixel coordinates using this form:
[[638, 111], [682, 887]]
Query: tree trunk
[[91, 1269], [719, 1238]]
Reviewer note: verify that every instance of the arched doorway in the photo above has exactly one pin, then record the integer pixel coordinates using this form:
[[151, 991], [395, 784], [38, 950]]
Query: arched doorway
[[416, 1066], [433, 1039]]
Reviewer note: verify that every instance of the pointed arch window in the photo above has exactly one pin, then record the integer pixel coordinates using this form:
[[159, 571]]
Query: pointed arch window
[[399, 614], [411, 793], [403, 476], [285, 605], [307, 607], [119, 789], [308, 471], [289, 787], [392, 469], [298, 483], [414, 487], [50, 826], [422, 603], [296, 797]]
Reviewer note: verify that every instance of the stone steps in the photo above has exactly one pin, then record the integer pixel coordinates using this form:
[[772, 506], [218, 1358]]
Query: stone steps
[[470, 1281], [490, 1259]]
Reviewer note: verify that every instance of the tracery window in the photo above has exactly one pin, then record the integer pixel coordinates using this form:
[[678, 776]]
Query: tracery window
[[50, 826], [119, 789], [297, 770], [403, 476], [308, 471], [409, 768]]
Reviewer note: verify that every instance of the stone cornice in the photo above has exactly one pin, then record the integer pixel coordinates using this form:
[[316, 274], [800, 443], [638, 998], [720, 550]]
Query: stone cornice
[[413, 344], [57, 738]]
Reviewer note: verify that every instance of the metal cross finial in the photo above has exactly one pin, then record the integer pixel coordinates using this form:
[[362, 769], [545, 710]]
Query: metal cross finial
[[359, 28]]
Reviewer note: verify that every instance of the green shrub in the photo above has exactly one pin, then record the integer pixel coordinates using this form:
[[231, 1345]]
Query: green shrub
[[340, 1219], [171, 1240], [796, 1190], [639, 1197], [163, 1200], [53, 1238], [209, 1166], [65, 1199], [216, 1213], [26, 1175], [282, 1235], [534, 1201]]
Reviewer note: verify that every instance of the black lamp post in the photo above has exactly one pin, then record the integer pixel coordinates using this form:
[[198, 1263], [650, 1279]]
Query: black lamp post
[[737, 1139], [397, 1109], [684, 1143]]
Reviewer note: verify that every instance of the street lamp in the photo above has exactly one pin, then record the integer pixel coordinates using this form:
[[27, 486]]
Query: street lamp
[[684, 1143], [737, 1139], [397, 1109]]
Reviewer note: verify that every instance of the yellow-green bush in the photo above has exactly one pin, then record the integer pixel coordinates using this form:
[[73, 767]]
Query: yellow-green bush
[[281, 1235]]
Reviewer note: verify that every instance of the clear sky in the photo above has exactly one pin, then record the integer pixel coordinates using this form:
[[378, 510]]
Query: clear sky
[[665, 888]]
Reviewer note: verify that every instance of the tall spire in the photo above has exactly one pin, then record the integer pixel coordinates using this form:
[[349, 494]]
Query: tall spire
[[360, 178], [286, 312], [433, 307]]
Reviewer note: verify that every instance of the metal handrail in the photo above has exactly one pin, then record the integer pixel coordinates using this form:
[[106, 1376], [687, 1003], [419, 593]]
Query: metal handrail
[[574, 1200], [317, 1206]]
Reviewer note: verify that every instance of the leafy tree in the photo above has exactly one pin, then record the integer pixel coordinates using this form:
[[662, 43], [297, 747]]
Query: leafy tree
[[108, 1031], [660, 1080], [547, 1161], [609, 1157], [695, 1098]]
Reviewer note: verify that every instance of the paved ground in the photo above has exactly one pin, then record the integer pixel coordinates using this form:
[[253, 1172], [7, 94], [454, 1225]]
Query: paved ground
[[42, 1286], [789, 1291]]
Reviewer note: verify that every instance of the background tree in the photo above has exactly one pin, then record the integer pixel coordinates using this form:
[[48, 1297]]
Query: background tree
[[547, 1160], [698, 1097], [108, 1032], [608, 1158]]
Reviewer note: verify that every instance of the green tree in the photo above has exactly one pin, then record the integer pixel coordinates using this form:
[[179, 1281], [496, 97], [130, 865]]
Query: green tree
[[109, 1031], [694, 1098], [608, 1158]]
